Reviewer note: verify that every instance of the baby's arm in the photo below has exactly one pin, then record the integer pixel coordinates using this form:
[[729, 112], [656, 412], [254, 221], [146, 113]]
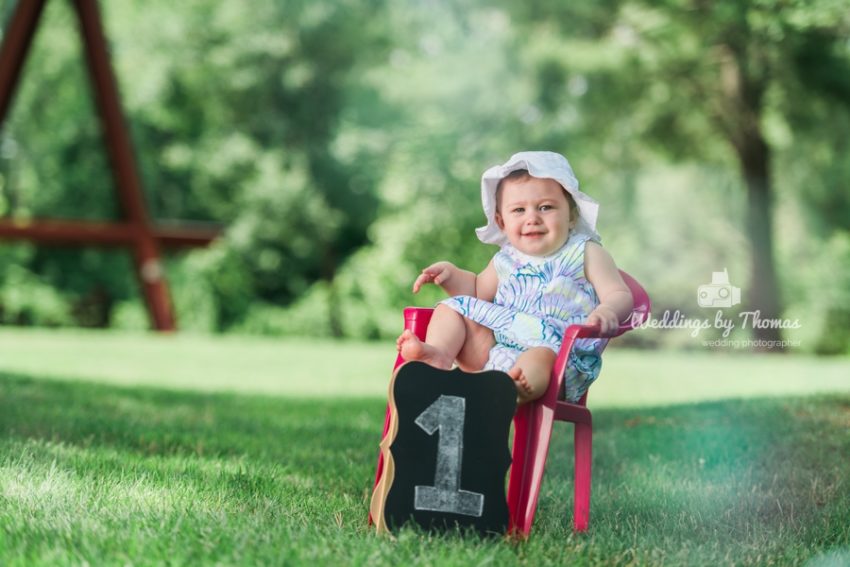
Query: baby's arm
[[455, 281], [615, 299]]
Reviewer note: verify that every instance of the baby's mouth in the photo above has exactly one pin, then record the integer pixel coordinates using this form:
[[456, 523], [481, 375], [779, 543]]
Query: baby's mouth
[[533, 234]]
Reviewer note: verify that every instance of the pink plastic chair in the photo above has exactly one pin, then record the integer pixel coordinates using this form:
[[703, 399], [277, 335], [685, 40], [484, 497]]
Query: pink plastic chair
[[533, 422]]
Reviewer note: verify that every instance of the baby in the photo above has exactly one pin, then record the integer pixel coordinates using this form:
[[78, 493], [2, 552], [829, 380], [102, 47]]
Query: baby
[[551, 272]]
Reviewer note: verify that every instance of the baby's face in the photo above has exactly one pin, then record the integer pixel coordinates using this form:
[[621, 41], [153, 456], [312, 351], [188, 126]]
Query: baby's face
[[534, 214]]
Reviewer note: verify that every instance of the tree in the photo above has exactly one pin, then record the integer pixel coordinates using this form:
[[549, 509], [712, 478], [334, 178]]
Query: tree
[[725, 68]]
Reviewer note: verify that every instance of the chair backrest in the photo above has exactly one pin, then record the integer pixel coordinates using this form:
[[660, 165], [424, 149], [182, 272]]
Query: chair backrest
[[642, 305], [640, 313]]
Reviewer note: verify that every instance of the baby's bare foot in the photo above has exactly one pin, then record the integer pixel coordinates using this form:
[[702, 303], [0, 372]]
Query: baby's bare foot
[[411, 348], [524, 391]]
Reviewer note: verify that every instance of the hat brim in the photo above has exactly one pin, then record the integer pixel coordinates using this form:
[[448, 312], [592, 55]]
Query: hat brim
[[544, 167]]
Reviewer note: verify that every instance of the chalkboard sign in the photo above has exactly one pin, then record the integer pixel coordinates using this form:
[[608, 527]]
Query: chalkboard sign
[[446, 452]]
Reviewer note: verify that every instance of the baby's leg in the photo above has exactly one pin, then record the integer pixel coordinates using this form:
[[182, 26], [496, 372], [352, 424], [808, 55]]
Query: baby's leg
[[475, 352], [444, 340], [531, 373]]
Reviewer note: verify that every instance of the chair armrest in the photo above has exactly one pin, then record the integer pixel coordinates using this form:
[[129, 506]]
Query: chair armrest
[[416, 319], [572, 333], [594, 331]]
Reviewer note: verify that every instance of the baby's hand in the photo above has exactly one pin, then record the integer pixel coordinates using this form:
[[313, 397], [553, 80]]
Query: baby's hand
[[438, 273], [606, 318]]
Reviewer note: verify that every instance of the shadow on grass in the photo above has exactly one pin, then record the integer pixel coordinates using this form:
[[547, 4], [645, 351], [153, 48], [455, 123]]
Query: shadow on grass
[[316, 439], [759, 476]]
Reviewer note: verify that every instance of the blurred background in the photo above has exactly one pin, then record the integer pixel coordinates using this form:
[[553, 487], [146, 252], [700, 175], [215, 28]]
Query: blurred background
[[340, 143]]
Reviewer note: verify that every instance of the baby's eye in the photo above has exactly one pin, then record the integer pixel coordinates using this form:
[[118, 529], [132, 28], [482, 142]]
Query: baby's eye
[[518, 210], [546, 207]]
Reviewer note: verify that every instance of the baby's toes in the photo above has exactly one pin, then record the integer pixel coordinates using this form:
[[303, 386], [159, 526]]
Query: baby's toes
[[518, 377]]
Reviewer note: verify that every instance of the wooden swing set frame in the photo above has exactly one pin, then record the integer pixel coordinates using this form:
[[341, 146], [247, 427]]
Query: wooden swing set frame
[[134, 231]]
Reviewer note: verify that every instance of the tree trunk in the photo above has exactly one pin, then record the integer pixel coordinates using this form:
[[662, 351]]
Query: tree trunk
[[763, 293], [743, 85]]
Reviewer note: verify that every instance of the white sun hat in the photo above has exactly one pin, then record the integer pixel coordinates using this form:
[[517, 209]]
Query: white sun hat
[[546, 165]]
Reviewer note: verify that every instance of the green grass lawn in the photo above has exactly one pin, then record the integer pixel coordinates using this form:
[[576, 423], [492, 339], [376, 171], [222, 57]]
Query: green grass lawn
[[310, 368], [133, 449]]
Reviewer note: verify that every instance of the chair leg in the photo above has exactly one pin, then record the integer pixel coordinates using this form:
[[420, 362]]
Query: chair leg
[[532, 433], [517, 480], [583, 457]]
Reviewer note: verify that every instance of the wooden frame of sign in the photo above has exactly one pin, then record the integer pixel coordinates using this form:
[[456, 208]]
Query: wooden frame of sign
[[446, 452]]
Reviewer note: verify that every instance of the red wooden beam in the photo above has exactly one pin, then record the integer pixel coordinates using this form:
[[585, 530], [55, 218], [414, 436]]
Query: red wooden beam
[[124, 170], [184, 236], [118, 143], [17, 38], [76, 233], [68, 232]]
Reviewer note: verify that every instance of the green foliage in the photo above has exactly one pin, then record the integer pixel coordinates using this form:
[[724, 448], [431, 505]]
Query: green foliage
[[305, 318], [832, 296], [27, 300]]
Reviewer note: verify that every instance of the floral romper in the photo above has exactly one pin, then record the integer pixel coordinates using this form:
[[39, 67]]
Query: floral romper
[[537, 299]]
